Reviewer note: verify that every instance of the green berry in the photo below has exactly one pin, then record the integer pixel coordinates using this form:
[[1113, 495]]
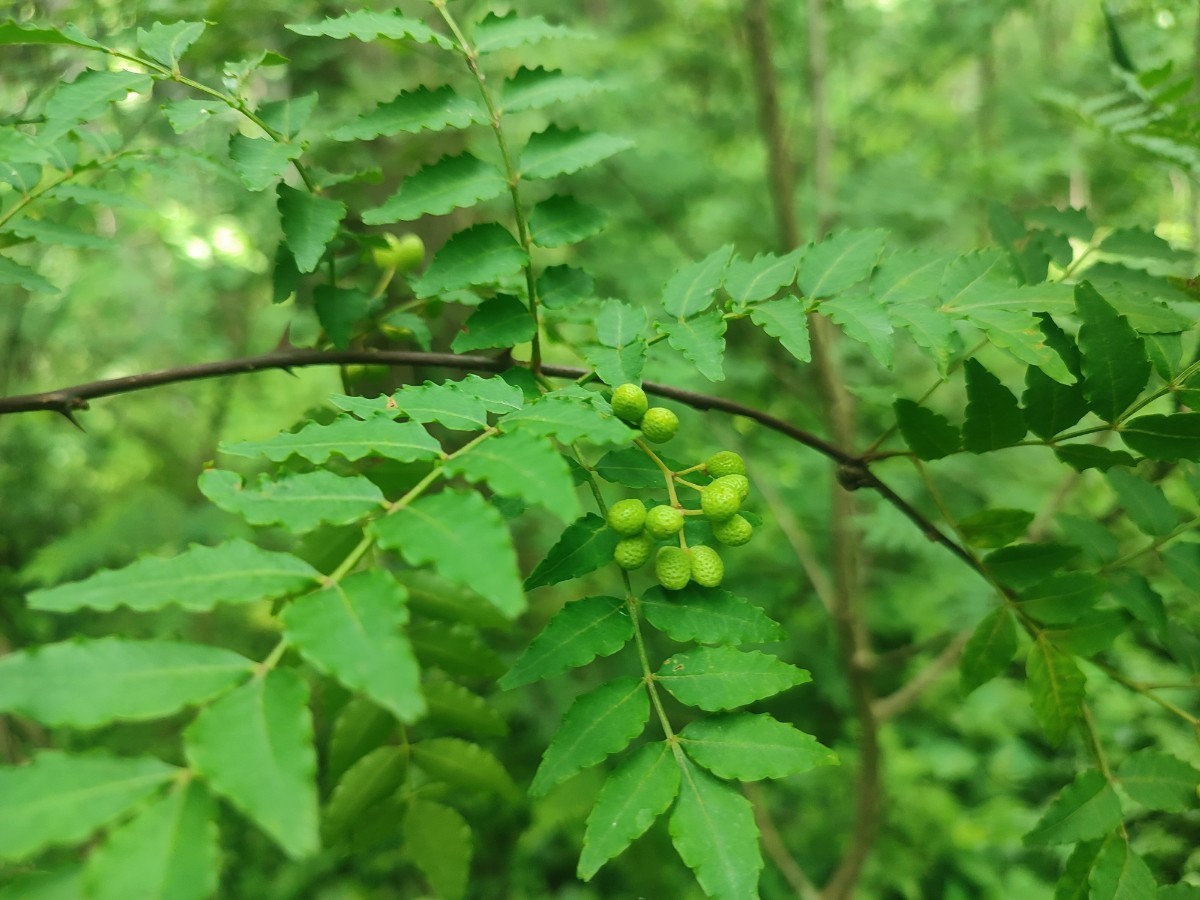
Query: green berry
[[726, 462], [733, 532], [673, 568], [401, 253], [719, 502], [663, 522], [634, 552], [629, 403], [659, 424], [740, 483], [627, 517], [707, 568]]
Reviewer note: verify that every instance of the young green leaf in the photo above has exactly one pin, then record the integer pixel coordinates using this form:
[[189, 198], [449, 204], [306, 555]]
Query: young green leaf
[[480, 255], [787, 321], [561, 221], [1114, 362], [299, 502], [691, 289], [708, 616], [1021, 565], [1162, 437], [255, 748], [500, 321], [433, 109], [1119, 873], [370, 779], [339, 310], [1073, 882], [1141, 243], [620, 324], [865, 320], [585, 546], [598, 724], [561, 287], [1062, 598], [714, 832], [348, 437], [454, 182], [61, 799], [496, 394], [636, 793], [993, 416], [438, 841], [92, 92], [718, 678], [989, 650], [840, 261], [929, 435], [446, 403], [1082, 457], [464, 538], [749, 747], [702, 340], [618, 365], [1145, 503], [1091, 634], [566, 418], [12, 32], [539, 88], [260, 162], [995, 527], [1159, 781], [557, 151], [309, 224], [462, 764], [289, 115], [367, 26], [90, 683], [581, 631], [200, 578], [12, 272], [1087, 809], [521, 464], [454, 708], [1056, 688], [507, 32], [751, 281], [352, 630], [168, 850]]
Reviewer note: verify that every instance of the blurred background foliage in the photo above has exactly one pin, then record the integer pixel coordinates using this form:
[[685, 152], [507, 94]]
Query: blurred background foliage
[[936, 107]]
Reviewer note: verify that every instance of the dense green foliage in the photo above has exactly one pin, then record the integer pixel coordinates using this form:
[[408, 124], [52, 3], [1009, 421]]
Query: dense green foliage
[[355, 628]]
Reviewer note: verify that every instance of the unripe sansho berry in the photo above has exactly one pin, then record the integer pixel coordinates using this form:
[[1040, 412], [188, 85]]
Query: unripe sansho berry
[[740, 484], [627, 517], [663, 522], [633, 552], [707, 568], [733, 532], [629, 403], [659, 424], [719, 502], [725, 462], [673, 568]]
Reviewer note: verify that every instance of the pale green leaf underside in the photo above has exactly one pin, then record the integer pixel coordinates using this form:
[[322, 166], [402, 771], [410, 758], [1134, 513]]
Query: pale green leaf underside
[[300, 502], [200, 578], [348, 437], [581, 631]]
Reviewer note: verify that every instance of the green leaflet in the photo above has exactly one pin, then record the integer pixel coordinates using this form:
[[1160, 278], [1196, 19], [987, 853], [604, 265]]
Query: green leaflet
[[91, 93], [1073, 882], [369, 780], [1082, 457], [433, 109], [462, 764], [708, 616], [447, 404], [438, 840], [300, 502], [479, 256], [586, 545], [91, 683], [496, 394], [339, 309], [581, 631], [1056, 688], [840, 261], [618, 365], [539, 88], [719, 678], [1120, 874], [692, 288], [1049, 405], [200, 578], [995, 527], [454, 708], [348, 437], [500, 321], [61, 799], [466, 541], [568, 419], [561, 287], [521, 464], [1145, 503], [169, 849], [457, 650], [620, 324], [636, 793], [557, 151], [12, 272], [1062, 598], [454, 182], [714, 832], [17, 33], [749, 747], [632, 468], [994, 418], [509, 31], [1091, 633], [1114, 363], [751, 281], [787, 321], [1169, 438], [989, 650], [309, 224], [1087, 809], [929, 435], [1141, 243], [702, 340], [561, 221], [353, 631], [255, 748], [359, 728], [598, 724], [367, 26], [863, 319], [260, 162], [1021, 565], [290, 115], [1159, 781]]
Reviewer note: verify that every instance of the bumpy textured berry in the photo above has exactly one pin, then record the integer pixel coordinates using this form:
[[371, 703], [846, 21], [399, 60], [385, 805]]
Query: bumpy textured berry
[[707, 568], [659, 424], [673, 568], [726, 462], [634, 552], [626, 517], [663, 521], [733, 532], [739, 483], [629, 403], [719, 502]]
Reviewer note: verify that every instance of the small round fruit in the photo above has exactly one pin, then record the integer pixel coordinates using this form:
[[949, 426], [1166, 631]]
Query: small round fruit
[[633, 552], [401, 253], [626, 517], [659, 424], [733, 532], [673, 568], [726, 462], [740, 484], [663, 522], [707, 568], [629, 403], [719, 502]]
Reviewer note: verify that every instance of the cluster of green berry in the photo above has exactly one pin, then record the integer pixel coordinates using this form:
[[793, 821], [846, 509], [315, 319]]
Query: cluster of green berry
[[720, 500]]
